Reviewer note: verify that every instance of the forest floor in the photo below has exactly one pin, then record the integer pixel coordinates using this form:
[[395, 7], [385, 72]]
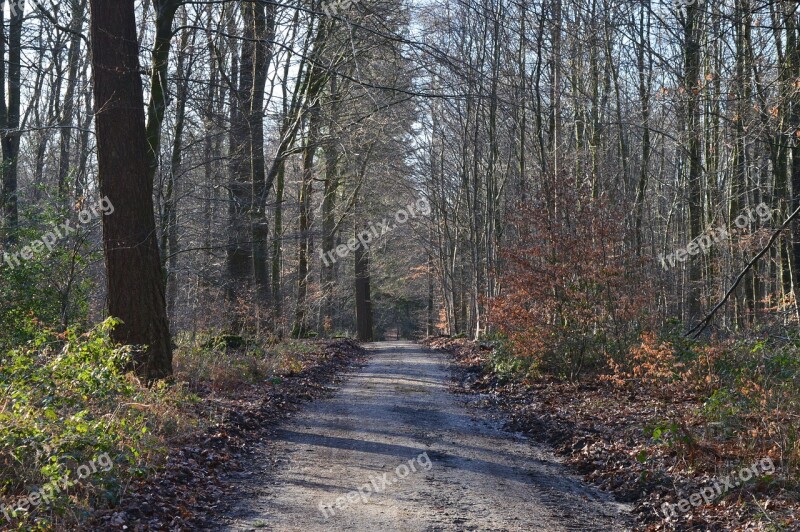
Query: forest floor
[[606, 435], [395, 449]]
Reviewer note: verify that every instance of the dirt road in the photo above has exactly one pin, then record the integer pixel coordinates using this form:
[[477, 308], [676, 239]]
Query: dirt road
[[393, 450]]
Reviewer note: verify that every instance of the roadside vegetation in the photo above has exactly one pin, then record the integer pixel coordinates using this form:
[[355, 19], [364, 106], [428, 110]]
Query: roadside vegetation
[[645, 410], [66, 398]]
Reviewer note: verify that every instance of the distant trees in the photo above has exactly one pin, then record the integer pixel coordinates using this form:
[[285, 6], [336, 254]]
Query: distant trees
[[271, 132], [683, 114], [276, 131]]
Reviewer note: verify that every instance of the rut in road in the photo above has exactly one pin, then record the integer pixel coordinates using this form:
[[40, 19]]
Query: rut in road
[[423, 459]]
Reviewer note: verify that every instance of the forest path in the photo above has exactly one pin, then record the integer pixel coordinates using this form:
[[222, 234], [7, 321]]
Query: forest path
[[402, 453]]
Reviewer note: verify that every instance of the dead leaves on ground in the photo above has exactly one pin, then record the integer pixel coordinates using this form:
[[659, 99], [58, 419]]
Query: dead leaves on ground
[[607, 434]]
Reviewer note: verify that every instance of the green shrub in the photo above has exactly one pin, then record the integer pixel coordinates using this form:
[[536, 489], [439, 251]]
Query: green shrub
[[507, 365], [65, 400], [52, 287]]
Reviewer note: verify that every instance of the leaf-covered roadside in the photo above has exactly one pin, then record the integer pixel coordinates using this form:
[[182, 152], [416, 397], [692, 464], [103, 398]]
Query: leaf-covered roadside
[[645, 448]]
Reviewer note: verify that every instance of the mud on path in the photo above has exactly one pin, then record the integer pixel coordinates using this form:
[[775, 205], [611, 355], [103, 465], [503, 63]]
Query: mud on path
[[423, 458]]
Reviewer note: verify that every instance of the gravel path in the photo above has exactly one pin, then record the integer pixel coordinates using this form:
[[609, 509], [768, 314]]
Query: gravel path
[[394, 450]]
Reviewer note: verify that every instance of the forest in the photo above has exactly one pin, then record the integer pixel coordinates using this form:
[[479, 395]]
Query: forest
[[215, 213]]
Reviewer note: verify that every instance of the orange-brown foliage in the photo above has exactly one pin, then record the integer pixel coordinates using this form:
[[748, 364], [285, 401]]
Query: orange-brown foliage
[[569, 289]]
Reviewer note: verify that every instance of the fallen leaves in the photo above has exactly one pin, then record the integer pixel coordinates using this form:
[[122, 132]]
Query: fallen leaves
[[600, 431]]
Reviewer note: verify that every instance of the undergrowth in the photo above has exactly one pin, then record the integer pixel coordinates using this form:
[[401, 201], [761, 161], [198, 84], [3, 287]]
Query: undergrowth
[[67, 402]]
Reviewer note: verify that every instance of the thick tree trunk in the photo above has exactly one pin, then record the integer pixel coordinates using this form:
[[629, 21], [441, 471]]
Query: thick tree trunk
[[135, 286]]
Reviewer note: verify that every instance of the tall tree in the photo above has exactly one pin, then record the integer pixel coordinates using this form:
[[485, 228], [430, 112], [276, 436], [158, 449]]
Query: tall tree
[[68, 111], [135, 285], [10, 76]]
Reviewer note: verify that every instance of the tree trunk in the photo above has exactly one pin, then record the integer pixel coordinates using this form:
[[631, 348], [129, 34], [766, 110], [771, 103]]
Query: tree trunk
[[300, 327], [260, 20], [695, 139], [135, 286], [9, 121], [363, 298], [331, 188], [169, 222], [165, 15], [68, 112], [239, 260]]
